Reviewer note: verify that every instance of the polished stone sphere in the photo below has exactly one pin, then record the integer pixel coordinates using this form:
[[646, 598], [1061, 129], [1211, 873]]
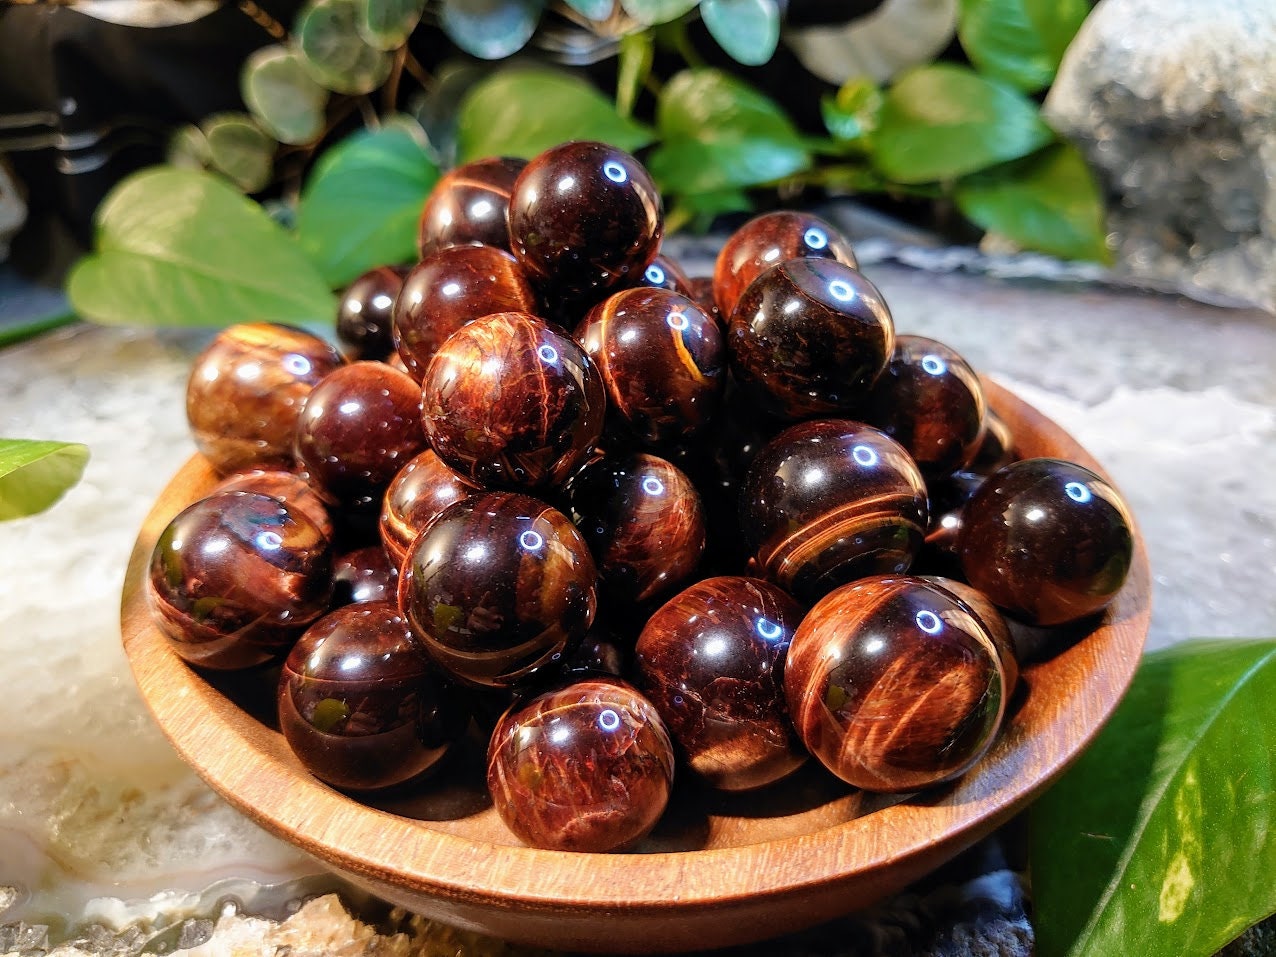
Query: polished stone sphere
[[470, 204], [365, 313], [663, 272], [289, 487], [364, 574], [418, 493]]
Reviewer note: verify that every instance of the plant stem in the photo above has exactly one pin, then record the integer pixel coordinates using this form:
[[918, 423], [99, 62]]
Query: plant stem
[[390, 92], [262, 19], [637, 51], [413, 66], [677, 35], [369, 112]]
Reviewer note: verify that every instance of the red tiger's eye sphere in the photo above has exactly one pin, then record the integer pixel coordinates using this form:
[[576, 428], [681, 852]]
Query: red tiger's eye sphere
[[422, 489], [366, 311], [509, 401], [930, 401], [470, 205], [236, 577], [498, 587], [289, 487], [997, 448], [360, 425], [894, 685], [585, 218], [993, 623], [829, 501], [643, 521], [712, 662], [588, 767], [702, 294], [661, 359], [447, 290], [363, 575], [358, 703], [768, 240], [810, 337], [1048, 541], [246, 390], [663, 273]]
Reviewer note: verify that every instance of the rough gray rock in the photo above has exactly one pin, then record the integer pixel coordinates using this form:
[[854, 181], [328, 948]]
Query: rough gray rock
[[1174, 104]]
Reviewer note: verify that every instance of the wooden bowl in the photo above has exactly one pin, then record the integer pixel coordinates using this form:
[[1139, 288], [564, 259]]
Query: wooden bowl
[[720, 869]]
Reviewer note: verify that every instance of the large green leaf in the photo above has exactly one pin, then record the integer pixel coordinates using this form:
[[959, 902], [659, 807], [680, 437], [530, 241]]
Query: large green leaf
[[523, 111], [1019, 41], [1159, 842], [649, 12], [718, 133], [387, 24], [748, 30], [361, 204], [180, 247], [943, 121], [490, 29], [239, 149], [1048, 202], [282, 95], [34, 475], [327, 35]]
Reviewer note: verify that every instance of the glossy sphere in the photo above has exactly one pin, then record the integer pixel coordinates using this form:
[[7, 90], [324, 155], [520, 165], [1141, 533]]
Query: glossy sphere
[[585, 218], [236, 577], [997, 449], [661, 359], [469, 204], [289, 487], [712, 662], [359, 427], [363, 575], [702, 294], [498, 587], [894, 684], [449, 289], [1047, 541], [930, 401], [994, 624], [643, 521], [509, 401], [664, 273], [830, 501], [420, 492], [768, 240], [366, 311], [246, 390], [358, 704], [588, 767], [810, 337]]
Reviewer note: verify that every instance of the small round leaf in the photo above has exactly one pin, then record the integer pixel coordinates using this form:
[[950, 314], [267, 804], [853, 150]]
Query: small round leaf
[[748, 30], [334, 53], [188, 148], [282, 96], [650, 12], [592, 9], [240, 149], [387, 24], [490, 29]]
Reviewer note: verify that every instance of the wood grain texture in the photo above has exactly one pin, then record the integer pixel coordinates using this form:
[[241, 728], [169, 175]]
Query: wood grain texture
[[719, 870]]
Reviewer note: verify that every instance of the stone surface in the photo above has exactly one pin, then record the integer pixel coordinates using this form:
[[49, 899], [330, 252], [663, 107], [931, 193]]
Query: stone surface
[[1174, 104]]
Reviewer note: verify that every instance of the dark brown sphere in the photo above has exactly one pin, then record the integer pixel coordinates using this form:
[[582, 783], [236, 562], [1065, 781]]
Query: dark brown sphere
[[1048, 541], [664, 273], [469, 205], [993, 622], [585, 218], [289, 487], [810, 337], [644, 524], [358, 703], [497, 588], [366, 312], [362, 575], [587, 767], [894, 685], [829, 501], [930, 401], [360, 425], [246, 389], [771, 239], [416, 496], [236, 577], [702, 294], [661, 360], [510, 402], [711, 660], [447, 290]]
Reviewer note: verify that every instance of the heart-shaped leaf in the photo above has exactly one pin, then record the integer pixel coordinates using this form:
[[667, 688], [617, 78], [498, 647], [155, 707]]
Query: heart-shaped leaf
[[943, 121], [240, 149], [282, 95], [523, 111], [592, 9], [1019, 41], [327, 35], [1159, 841], [490, 29], [650, 12], [360, 207], [748, 30], [34, 475], [1048, 202], [387, 24], [182, 248]]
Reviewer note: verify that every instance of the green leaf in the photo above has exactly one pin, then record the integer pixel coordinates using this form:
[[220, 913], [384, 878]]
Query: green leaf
[[748, 30], [1019, 41], [361, 204], [943, 121], [282, 96], [188, 148], [327, 35], [1159, 841], [387, 24], [637, 53], [592, 9], [718, 133], [490, 29], [240, 150], [699, 210], [855, 113], [1048, 202], [650, 12], [183, 248], [523, 111], [34, 475]]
